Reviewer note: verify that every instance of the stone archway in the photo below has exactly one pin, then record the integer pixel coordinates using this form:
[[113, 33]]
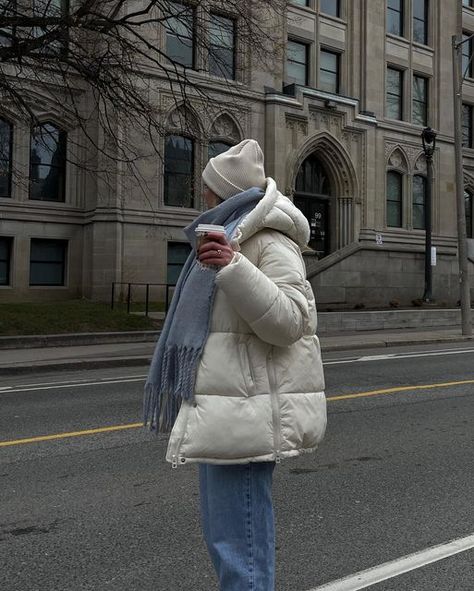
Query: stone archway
[[335, 196]]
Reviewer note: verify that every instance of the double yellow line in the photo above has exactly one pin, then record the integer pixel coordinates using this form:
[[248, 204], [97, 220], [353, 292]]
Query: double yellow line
[[137, 425]]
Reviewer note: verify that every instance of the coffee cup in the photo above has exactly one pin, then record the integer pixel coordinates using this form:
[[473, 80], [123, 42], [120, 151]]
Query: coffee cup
[[203, 230]]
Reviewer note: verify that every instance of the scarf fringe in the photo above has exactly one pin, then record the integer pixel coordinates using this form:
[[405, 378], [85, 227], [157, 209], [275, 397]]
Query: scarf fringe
[[163, 401]]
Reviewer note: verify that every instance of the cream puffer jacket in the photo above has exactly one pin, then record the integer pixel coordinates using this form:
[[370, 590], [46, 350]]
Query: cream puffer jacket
[[259, 393]]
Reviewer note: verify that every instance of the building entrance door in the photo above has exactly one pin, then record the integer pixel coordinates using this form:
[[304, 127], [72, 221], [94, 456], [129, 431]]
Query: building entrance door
[[316, 210], [313, 198]]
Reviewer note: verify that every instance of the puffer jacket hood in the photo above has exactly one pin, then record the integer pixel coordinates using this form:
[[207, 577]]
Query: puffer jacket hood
[[275, 212]]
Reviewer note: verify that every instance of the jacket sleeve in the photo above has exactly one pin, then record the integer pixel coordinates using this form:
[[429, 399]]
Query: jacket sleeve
[[270, 297]]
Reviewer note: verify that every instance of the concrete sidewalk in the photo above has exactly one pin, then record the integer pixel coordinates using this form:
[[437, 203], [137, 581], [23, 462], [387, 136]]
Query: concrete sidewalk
[[53, 358]]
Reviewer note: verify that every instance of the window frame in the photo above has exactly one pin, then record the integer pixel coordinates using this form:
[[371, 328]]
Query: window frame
[[425, 21], [64, 262], [62, 138], [400, 201], [338, 56], [168, 264], [470, 217], [401, 18], [233, 20], [191, 139], [306, 62], [425, 103], [9, 159], [193, 38], [8, 261], [401, 96]]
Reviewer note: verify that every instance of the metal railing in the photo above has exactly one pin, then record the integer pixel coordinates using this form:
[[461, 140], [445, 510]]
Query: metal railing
[[147, 286]]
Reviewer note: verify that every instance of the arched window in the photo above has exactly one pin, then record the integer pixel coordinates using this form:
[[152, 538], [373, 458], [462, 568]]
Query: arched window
[[216, 148], [468, 197], [419, 200], [6, 145], [394, 199], [179, 171], [48, 163], [312, 177]]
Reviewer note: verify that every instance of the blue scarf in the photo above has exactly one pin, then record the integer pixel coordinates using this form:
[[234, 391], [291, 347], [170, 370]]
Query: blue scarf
[[173, 369]]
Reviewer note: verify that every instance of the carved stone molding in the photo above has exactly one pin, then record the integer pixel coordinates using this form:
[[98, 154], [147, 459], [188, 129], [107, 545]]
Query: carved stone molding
[[225, 127]]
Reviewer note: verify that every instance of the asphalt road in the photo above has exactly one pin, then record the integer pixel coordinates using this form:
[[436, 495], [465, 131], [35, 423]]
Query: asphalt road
[[395, 475]]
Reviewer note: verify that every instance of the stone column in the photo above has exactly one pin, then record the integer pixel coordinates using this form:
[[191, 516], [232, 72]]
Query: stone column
[[344, 215]]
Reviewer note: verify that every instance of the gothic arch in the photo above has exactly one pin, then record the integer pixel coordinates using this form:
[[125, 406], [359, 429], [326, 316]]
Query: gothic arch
[[398, 160], [342, 179], [184, 119], [335, 158], [225, 128]]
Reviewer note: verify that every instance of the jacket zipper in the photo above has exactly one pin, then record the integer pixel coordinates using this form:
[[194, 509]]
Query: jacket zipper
[[275, 409]]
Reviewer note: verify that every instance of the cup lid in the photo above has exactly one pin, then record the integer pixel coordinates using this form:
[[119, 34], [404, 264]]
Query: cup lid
[[210, 228]]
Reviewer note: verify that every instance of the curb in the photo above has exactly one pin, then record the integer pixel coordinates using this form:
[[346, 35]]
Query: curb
[[141, 360], [68, 340]]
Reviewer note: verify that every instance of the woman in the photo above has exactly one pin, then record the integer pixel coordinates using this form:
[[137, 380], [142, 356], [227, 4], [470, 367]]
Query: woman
[[238, 357]]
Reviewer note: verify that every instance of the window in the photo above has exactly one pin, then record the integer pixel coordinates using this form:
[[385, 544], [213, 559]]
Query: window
[[180, 34], [6, 144], [330, 7], [5, 257], [7, 33], [48, 262], [467, 126], [216, 148], [466, 55], [300, 2], [222, 47], [179, 171], [395, 17], [469, 209], [394, 199], [297, 63], [420, 21], [420, 100], [394, 98], [419, 199], [329, 71], [467, 2], [178, 252], [48, 163], [55, 9]]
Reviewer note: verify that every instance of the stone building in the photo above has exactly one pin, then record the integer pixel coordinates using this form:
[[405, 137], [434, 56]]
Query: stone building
[[339, 118]]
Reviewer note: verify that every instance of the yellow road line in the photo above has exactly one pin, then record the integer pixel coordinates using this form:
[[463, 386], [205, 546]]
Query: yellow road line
[[71, 434], [137, 425], [398, 389]]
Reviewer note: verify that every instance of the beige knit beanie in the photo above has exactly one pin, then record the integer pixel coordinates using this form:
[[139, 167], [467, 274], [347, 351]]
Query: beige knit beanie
[[236, 170]]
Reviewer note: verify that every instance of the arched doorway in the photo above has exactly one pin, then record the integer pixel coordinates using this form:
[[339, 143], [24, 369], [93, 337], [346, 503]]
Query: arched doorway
[[313, 197]]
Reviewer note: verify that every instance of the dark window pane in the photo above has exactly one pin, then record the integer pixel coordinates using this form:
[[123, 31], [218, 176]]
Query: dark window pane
[[5, 255], [216, 148], [394, 199], [179, 171], [394, 98], [329, 71], [330, 7], [179, 26], [468, 199], [58, 33], [312, 178], [297, 63], [178, 252], [47, 163], [420, 100], [467, 48], [467, 126], [222, 46], [419, 196], [300, 2], [6, 135], [48, 262], [395, 17]]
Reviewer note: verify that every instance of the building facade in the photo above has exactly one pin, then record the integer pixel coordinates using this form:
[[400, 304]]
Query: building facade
[[339, 116]]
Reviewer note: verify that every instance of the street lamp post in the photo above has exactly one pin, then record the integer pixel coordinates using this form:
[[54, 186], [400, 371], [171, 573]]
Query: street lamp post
[[428, 138]]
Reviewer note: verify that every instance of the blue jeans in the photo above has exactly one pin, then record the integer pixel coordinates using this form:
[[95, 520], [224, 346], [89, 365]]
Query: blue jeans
[[237, 523]]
